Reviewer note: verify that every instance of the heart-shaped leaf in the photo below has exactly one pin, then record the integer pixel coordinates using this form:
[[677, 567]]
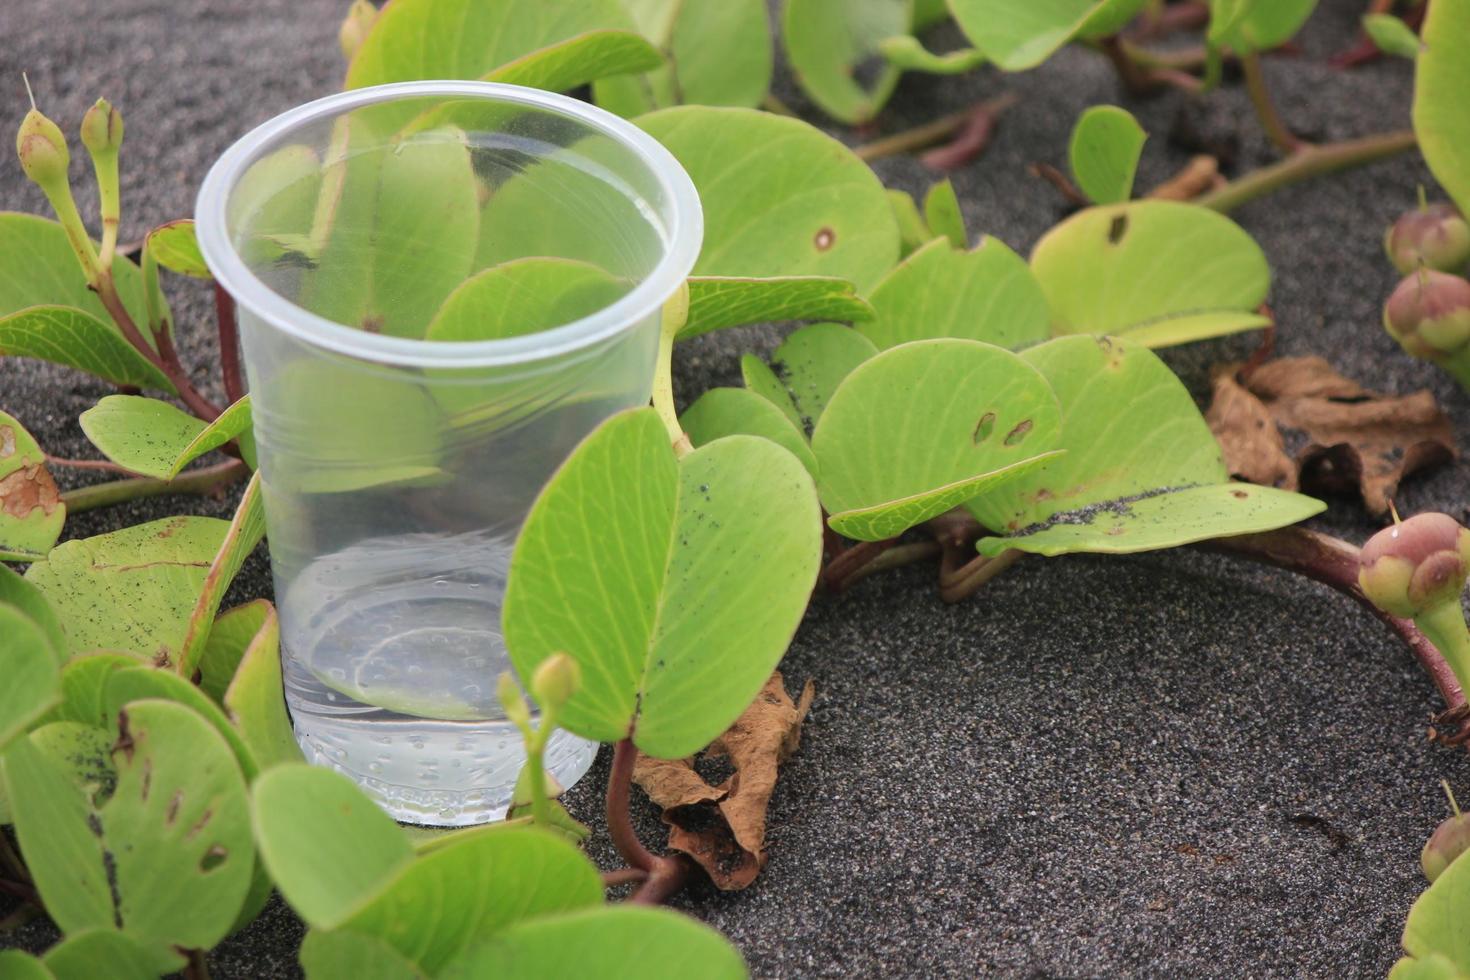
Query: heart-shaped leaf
[[1106, 144], [717, 54], [175, 247], [1247, 26], [98, 953], [811, 362], [721, 412], [1141, 469], [524, 296], [75, 338], [132, 589], [620, 942], [716, 302], [658, 575], [943, 216], [1441, 111], [986, 294], [827, 40], [1021, 34], [1146, 264], [780, 197], [1392, 36], [31, 510], [924, 427], [579, 60]]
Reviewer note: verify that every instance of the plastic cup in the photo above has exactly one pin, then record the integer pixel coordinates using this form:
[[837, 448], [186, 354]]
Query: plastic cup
[[397, 466]]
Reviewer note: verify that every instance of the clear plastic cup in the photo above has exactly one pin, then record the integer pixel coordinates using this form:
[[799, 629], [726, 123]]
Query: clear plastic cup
[[397, 467]]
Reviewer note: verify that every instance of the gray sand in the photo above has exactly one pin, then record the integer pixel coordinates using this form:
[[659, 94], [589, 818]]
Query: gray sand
[[1171, 764]]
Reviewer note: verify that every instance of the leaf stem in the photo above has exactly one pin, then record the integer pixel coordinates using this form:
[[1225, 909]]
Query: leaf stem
[[1266, 112], [904, 554], [623, 876], [668, 876], [88, 464], [229, 344], [926, 135], [1308, 162], [963, 582], [851, 559], [166, 359], [206, 480], [619, 819], [675, 315]]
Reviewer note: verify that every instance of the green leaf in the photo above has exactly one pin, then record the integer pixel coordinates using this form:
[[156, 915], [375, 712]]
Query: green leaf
[[489, 880], [1188, 327], [84, 753], [418, 39], [31, 670], [339, 953], [246, 529], [274, 199], [232, 424], [986, 294], [1141, 468], [1106, 144], [1110, 17], [721, 412], [1247, 26], [620, 942], [51, 275], [75, 338], [256, 701], [1117, 268], [1432, 967], [145, 682], [229, 638], [718, 54], [1436, 922], [84, 687], [907, 53], [943, 216], [327, 846], [761, 380], [18, 965], [912, 229], [811, 363], [144, 435], [167, 858], [780, 197], [175, 247], [1021, 34], [1392, 36], [737, 517], [132, 589], [31, 511], [716, 302], [99, 953], [524, 296], [827, 40], [1441, 111], [31, 602], [924, 427], [578, 61]]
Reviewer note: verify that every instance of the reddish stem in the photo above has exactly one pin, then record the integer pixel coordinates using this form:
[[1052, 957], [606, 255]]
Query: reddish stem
[[623, 876], [166, 359], [970, 141], [89, 464], [851, 559], [229, 345], [668, 877], [619, 819]]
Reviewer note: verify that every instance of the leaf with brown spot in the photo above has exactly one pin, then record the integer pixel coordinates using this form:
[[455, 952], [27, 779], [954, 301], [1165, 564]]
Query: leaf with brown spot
[[31, 511], [724, 827], [1335, 435]]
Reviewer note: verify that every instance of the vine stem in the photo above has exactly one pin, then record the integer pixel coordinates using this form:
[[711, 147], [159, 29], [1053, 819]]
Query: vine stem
[[205, 480], [1308, 162], [88, 464], [1266, 112], [669, 875], [619, 820], [229, 344], [166, 359], [904, 554], [839, 569], [926, 135], [623, 876], [1334, 563], [962, 582]]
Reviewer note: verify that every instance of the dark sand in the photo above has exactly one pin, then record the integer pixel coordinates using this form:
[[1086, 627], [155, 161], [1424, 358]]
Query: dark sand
[[1170, 764]]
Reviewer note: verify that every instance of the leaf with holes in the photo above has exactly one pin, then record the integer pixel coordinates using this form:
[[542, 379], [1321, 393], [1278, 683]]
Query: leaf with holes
[[1441, 111], [1021, 34], [167, 858], [579, 60], [132, 589], [141, 682], [98, 953], [716, 302], [75, 338], [524, 296], [707, 563], [717, 54], [924, 427], [1134, 440], [620, 942], [1392, 36], [1162, 266], [827, 40], [1248, 26], [31, 510], [986, 294], [811, 362], [721, 412], [780, 197], [174, 246], [942, 214], [1106, 144]]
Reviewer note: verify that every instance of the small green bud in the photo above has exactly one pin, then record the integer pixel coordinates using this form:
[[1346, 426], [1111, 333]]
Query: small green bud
[[355, 27], [1429, 314], [512, 702], [1435, 237], [556, 680], [1449, 840], [102, 128], [1410, 568], [42, 151]]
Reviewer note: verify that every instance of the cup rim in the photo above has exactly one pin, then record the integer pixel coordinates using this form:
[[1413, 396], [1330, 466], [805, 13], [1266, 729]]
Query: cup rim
[[684, 236]]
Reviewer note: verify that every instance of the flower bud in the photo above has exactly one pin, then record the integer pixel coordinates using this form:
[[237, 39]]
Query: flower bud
[[1449, 840], [102, 128], [1410, 568], [42, 151], [556, 680], [355, 27], [1429, 314], [514, 705], [1434, 237]]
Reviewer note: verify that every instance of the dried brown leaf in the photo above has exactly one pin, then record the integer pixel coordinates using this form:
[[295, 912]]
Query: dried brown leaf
[[1347, 438], [723, 827]]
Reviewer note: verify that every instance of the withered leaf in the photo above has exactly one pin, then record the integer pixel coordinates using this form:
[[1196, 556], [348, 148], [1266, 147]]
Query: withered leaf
[[1329, 435], [723, 827]]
